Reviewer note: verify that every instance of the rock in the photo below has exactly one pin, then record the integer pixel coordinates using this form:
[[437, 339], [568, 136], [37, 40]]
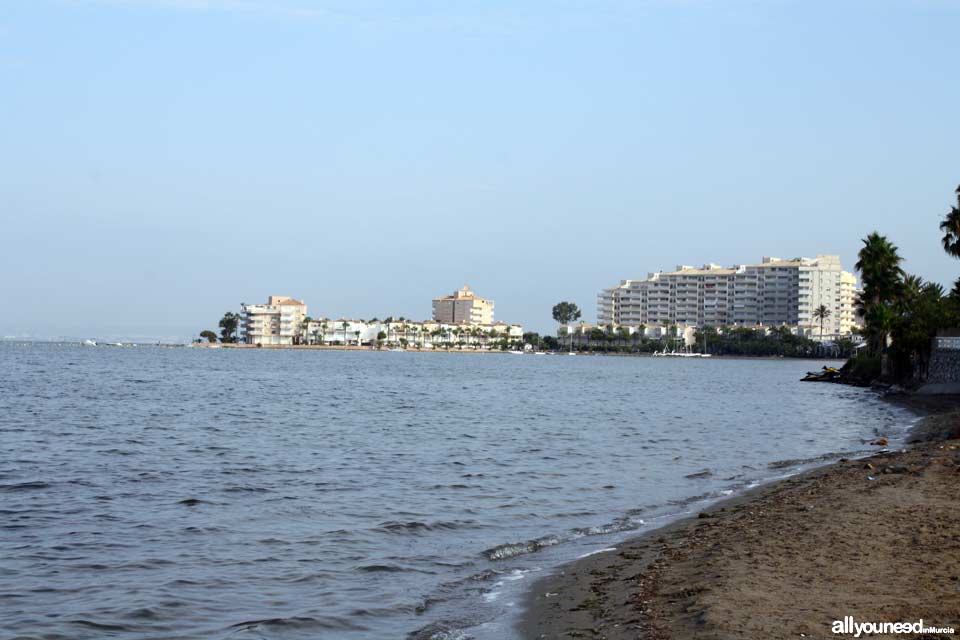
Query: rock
[[880, 442], [869, 467]]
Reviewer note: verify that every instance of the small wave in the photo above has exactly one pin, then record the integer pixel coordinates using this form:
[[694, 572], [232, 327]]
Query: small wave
[[386, 568], [99, 626], [192, 502], [298, 622], [513, 549], [439, 631], [416, 526], [620, 524], [246, 489], [796, 462], [25, 486]]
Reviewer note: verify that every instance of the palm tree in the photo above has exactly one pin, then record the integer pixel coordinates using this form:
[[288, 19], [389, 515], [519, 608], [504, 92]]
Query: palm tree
[[879, 267], [821, 313], [304, 326], [344, 325], [951, 229]]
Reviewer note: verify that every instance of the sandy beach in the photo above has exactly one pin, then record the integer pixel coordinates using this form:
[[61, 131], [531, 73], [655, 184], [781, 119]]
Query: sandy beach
[[877, 539]]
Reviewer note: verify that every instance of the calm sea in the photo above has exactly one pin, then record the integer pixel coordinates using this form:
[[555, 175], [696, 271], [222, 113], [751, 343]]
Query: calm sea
[[192, 493]]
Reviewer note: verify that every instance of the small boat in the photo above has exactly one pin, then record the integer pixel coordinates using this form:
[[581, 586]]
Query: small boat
[[827, 374], [89, 343], [515, 353]]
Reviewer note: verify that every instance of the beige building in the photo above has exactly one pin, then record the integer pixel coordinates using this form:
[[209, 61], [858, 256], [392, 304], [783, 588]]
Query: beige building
[[463, 307], [279, 321]]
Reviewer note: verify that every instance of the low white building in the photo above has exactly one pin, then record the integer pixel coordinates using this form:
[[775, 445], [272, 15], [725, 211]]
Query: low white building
[[412, 334]]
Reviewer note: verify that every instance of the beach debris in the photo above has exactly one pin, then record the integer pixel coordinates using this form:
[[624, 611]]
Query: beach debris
[[881, 442], [871, 478], [899, 468], [869, 467]]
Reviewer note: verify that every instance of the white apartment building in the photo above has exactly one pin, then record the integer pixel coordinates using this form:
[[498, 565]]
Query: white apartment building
[[774, 292], [463, 307], [279, 321]]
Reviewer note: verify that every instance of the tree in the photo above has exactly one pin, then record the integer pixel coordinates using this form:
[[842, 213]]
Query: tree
[[821, 313], [565, 313], [951, 229], [228, 327], [344, 325], [879, 266], [208, 335], [304, 336]]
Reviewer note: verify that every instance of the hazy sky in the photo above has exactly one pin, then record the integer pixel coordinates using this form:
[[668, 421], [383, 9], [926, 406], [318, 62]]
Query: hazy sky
[[162, 161]]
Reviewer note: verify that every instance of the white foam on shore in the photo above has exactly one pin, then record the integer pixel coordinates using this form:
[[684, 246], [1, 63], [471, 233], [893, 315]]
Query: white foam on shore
[[593, 553]]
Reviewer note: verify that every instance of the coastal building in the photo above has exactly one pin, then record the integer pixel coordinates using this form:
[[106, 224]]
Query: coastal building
[[461, 321], [463, 307], [343, 331], [278, 322], [773, 292], [410, 334], [849, 293]]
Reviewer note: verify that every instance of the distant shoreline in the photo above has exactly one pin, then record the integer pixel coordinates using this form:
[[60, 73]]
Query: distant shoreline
[[316, 347]]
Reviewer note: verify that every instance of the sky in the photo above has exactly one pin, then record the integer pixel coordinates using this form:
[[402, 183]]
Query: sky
[[162, 161]]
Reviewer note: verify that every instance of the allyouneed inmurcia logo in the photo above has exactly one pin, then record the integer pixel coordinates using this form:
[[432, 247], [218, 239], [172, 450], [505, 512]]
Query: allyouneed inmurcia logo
[[849, 626]]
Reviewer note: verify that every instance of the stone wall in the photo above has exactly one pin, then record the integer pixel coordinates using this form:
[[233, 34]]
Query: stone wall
[[944, 366]]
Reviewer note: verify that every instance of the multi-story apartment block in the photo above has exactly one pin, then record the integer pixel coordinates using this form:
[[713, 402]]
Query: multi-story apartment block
[[849, 294], [279, 321], [774, 292], [463, 307]]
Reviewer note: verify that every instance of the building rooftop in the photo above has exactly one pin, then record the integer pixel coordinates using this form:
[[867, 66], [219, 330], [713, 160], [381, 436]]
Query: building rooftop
[[466, 293]]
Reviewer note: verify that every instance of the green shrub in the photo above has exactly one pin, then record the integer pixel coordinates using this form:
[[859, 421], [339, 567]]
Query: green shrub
[[863, 367]]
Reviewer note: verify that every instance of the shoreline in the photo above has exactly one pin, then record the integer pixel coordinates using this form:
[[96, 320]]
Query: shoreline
[[317, 347], [785, 559]]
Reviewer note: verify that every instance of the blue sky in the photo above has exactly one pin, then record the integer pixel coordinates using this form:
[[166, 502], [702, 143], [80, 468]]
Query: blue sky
[[163, 160]]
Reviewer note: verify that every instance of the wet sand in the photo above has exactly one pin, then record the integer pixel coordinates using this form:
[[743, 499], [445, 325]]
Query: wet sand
[[877, 539]]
